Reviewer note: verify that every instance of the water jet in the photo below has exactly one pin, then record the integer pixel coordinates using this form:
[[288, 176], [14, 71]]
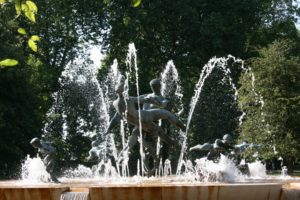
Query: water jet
[[104, 181]]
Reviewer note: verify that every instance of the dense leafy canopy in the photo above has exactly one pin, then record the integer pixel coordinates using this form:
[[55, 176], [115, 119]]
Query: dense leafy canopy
[[272, 121]]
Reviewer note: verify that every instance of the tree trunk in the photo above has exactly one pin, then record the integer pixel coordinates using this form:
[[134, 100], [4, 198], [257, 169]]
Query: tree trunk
[[290, 165]]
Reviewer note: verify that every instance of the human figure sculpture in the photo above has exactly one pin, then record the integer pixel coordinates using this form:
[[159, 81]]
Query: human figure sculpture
[[94, 153], [237, 152], [226, 147], [48, 152], [102, 151], [167, 102], [156, 94], [126, 110], [241, 148], [163, 102], [150, 140], [223, 146]]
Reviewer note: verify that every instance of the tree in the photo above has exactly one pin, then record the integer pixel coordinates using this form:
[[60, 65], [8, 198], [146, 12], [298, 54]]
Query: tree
[[65, 28], [191, 32], [272, 121], [17, 96]]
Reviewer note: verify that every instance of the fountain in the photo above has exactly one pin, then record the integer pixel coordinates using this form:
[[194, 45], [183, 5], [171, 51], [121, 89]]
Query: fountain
[[109, 178]]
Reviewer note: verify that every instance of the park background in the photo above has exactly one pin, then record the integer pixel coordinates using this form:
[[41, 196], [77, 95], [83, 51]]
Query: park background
[[263, 33]]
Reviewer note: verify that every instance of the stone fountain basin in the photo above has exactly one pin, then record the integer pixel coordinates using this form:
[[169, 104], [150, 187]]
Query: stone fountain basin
[[153, 189]]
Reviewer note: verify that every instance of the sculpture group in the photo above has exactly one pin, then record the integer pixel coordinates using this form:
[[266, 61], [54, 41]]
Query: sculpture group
[[146, 119], [145, 113]]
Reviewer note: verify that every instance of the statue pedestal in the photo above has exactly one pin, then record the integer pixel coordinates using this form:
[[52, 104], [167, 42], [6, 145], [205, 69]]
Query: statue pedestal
[[94, 190]]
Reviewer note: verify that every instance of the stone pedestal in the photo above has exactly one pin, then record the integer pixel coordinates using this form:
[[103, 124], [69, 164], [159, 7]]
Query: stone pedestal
[[189, 192], [12, 190], [32, 193]]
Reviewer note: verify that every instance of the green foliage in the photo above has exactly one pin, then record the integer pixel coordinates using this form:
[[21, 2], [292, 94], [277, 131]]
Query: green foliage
[[18, 100], [29, 9], [274, 125], [21, 115], [18, 7], [32, 42], [191, 32], [22, 31], [8, 63], [135, 3]]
